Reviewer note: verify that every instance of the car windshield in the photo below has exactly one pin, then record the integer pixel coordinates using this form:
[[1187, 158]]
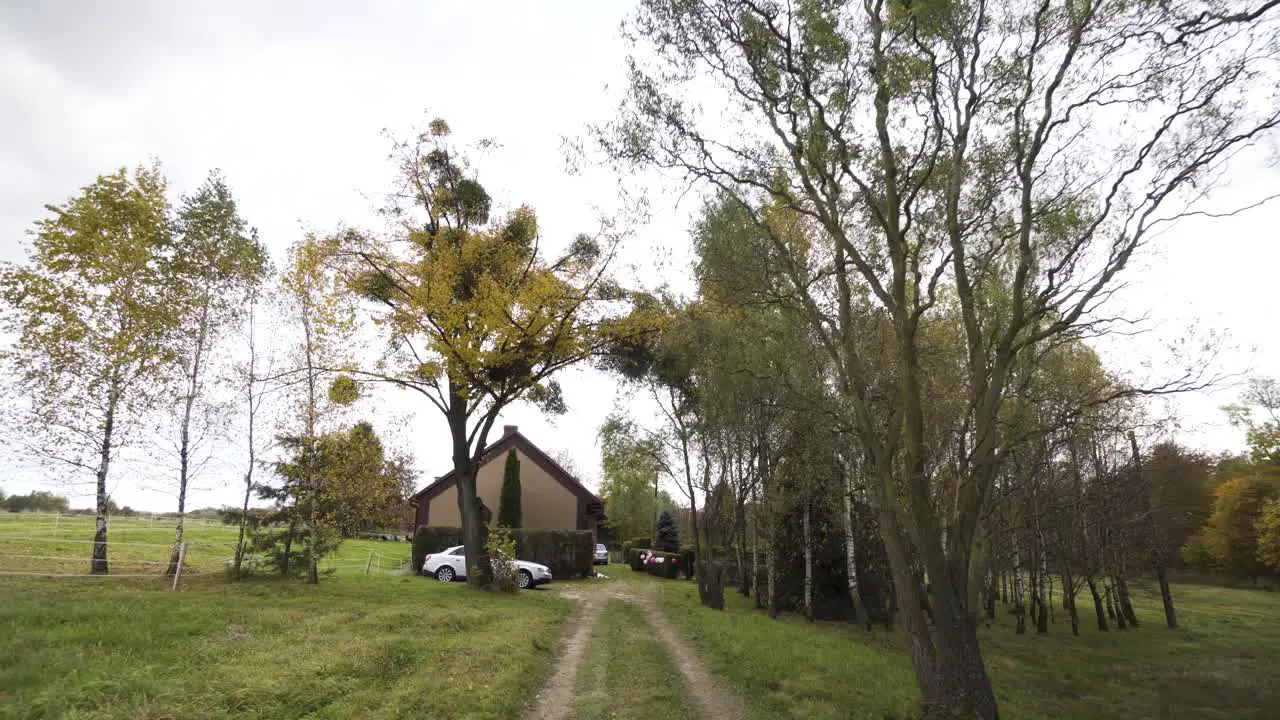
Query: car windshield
[[599, 548]]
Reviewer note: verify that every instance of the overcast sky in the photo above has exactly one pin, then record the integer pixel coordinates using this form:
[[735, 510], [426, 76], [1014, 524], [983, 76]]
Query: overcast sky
[[288, 99]]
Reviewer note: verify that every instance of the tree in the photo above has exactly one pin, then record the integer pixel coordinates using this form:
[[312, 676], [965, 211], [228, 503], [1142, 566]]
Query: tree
[[1263, 436], [338, 483], [630, 480], [1230, 536], [949, 158], [1268, 529], [36, 501], [473, 315], [218, 263], [311, 297], [666, 535], [509, 500], [95, 316]]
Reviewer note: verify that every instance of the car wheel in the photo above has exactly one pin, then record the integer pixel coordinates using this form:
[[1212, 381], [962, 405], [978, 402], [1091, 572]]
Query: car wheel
[[445, 574], [526, 580]]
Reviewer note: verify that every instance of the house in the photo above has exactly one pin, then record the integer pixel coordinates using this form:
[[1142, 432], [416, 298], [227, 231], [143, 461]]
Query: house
[[550, 498]]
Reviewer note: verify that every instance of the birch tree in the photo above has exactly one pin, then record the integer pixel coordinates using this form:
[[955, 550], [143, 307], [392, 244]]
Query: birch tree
[[218, 262], [94, 314]]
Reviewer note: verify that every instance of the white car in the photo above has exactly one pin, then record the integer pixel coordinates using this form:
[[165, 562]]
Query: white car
[[602, 555], [450, 564]]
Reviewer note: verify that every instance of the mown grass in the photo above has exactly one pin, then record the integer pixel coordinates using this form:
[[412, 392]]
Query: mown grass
[[1219, 664], [353, 646], [626, 674], [40, 543]]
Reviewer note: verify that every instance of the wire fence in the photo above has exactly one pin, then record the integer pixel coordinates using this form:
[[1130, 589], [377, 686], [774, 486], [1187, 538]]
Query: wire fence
[[51, 545]]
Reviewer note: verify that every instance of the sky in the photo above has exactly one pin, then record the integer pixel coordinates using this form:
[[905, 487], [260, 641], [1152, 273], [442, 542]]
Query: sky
[[288, 99]]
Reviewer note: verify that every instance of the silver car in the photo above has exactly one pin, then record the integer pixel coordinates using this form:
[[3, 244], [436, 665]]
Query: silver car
[[601, 556], [451, 564]]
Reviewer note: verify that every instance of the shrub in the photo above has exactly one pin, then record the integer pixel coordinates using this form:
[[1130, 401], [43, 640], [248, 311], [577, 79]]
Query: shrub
[[502, 556], [567, 552], [635, 559], [429, 540], [663, 564], [509, 514], [689, 560], [642, 543], [668, 534]]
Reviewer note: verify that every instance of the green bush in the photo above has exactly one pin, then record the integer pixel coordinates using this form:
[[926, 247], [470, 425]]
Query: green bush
[[669, 568], [567, 552], [642, 543], [429, 540], [633, 559]]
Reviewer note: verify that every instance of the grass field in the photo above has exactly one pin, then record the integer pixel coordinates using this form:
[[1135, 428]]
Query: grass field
[[40, 543], [1220, 664], [370, 641], [353, 646]]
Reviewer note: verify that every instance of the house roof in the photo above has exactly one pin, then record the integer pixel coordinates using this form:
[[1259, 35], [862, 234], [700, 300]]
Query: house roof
[[511, 438]]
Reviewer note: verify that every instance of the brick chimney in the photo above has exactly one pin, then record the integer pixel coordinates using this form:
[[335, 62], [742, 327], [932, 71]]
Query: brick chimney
[[509, 430]]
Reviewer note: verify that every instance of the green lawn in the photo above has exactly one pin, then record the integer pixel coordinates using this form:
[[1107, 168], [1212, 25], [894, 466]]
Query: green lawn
[[1219, 664], [353, 646], [626, 674], [38, 543]]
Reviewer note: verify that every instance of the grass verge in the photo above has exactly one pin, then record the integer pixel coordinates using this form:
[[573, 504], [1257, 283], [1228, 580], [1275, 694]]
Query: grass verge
[[626, 674], [1219, 664], [349, 647]]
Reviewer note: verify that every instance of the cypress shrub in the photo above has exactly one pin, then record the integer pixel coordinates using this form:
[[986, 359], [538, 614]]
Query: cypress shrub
[[567, 552], [509, 514], [429, 540]]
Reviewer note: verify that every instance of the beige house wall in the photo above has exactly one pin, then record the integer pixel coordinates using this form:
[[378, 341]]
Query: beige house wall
[[545, 504]]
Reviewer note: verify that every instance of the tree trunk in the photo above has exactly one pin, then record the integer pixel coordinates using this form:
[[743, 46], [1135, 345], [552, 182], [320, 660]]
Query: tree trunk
[[1019, 609], [98, 560], [1155, 540], [808, 566], [1170, 616], [184, 433], [771, 563], [991, 597], [1122, 599], [1069, 591], [253, 412], [851, 557], [1097, 604]]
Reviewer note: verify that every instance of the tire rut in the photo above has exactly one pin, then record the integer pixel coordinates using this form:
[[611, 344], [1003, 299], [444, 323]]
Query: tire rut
[[555, 700], [711, 700]]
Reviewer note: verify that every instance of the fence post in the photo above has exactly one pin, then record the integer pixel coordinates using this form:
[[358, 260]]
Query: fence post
[[182, 557], [369, 564]]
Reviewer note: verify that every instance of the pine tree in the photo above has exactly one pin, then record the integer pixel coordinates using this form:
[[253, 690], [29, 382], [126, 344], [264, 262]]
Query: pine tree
[[668, 535], [509, 501]]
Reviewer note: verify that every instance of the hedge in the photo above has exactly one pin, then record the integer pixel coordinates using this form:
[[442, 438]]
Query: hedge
[[642, 543], [429, 540], [633, 559], [567, 552], [669, 567]]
